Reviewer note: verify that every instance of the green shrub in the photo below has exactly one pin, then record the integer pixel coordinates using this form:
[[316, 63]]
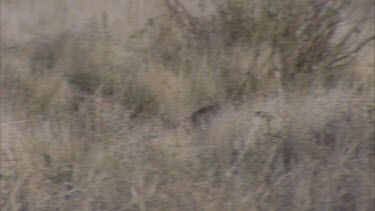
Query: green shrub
[[86, 81]]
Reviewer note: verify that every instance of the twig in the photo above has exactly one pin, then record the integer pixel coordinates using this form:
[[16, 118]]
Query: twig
[[355, 50]]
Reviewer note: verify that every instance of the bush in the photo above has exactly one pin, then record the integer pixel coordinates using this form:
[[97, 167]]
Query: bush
[[110, 120]]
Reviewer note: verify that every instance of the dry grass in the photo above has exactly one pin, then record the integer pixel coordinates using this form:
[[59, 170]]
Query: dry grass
[[96, 105]]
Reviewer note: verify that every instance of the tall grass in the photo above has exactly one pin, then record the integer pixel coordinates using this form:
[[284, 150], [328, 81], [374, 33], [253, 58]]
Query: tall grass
[[96, 108]]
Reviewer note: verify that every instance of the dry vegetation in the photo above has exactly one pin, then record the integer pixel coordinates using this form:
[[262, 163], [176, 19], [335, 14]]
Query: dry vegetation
[[98, 105]]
